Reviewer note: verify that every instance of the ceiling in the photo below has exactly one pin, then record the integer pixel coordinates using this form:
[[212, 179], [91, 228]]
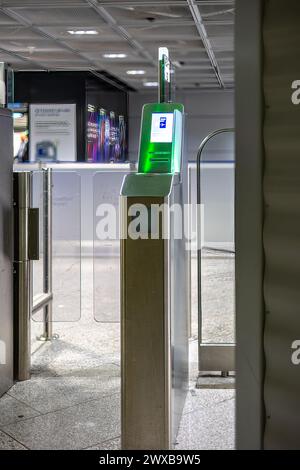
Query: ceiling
[[34, 35]]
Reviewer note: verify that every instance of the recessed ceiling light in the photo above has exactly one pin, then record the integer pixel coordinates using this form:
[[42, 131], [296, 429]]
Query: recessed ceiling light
[[115, 56], [135, 72], [81, 32], [151, 84]]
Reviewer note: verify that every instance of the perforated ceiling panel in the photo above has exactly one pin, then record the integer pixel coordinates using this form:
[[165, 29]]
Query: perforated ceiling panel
[[40, 35], [66, 16]]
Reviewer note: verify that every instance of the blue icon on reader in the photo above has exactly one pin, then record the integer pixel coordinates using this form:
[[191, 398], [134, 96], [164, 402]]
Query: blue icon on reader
[[163, 123]]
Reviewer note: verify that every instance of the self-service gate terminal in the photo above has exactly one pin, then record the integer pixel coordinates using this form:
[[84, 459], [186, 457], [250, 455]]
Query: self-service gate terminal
[[154, 284]]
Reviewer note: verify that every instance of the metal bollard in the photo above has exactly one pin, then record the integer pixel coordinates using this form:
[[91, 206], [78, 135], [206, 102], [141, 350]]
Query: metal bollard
[[26, 248]]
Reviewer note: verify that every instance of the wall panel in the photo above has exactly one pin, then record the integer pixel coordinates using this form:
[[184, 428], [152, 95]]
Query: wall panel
[[281, 224]]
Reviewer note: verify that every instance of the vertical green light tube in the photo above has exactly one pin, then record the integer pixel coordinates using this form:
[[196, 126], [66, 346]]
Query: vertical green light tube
[[162, 84]]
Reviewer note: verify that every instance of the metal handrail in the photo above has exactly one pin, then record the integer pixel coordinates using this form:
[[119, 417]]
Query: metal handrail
[[199, 154]]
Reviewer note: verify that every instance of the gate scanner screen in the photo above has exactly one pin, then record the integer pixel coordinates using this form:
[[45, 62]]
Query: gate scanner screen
[[162, 127]]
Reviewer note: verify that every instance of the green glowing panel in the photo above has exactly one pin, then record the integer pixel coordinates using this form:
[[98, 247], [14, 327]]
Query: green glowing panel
[[161, 138]]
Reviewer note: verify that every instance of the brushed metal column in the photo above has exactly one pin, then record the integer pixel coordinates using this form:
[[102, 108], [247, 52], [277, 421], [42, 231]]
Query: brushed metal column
[[22, 275], [154, 320]]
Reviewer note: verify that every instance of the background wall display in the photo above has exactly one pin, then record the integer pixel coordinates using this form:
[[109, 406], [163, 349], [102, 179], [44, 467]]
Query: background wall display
[[109, 110], [52, 131], [92, 134], [106, 136], [80, 88]]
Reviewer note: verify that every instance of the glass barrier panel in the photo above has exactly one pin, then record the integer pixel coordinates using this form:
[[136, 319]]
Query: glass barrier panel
[[66, 247], [107, 187]]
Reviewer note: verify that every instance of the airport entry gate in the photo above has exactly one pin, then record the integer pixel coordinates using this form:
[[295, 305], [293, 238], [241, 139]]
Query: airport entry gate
[[69, 194]]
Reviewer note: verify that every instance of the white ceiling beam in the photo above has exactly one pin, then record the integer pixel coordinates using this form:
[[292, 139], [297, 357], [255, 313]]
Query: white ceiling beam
[[215, 2], [110, 3], [50, 5], [158, 24], [218, 13], [147, 3], [164, 23], [205, 39]]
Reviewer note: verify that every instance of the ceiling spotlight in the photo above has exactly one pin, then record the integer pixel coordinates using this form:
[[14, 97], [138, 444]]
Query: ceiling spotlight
[[135, 72], [114, 56], [150, 84], [81, 32]]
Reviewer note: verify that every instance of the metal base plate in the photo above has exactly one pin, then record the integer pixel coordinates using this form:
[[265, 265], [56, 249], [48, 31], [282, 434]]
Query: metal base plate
[[217, 357], [45, 338], [214, 381]]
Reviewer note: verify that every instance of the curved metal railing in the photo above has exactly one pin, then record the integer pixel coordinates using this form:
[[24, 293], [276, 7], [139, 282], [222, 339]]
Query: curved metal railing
[[199, 155]]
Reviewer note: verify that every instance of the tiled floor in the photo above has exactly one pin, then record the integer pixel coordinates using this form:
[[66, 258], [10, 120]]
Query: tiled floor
[[73, 398]]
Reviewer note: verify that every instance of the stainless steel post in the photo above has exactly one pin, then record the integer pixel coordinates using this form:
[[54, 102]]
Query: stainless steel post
[[47, 239], [154, 318], [22, 275]]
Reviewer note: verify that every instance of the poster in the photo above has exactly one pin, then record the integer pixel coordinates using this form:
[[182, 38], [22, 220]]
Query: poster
[[106, 136], [92, 135], [52, 132]]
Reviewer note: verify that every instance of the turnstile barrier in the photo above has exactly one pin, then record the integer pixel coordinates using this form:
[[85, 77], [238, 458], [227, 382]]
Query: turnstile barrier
[[154, 318]]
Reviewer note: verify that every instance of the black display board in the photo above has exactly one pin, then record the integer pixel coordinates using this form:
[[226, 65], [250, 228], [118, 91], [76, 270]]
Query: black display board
[[81, 88]]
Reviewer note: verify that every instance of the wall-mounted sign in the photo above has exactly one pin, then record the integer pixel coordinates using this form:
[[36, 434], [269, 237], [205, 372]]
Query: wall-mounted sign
[[52, 132]]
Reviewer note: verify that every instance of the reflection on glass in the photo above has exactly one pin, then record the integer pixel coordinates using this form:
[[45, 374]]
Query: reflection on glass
[[107, 187], [66, 249]]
